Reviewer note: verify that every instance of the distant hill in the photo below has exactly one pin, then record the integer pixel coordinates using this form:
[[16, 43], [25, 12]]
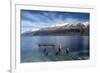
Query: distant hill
[[65, 29]]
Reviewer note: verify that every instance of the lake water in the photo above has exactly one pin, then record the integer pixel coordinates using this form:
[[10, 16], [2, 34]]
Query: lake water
[[31, 52]]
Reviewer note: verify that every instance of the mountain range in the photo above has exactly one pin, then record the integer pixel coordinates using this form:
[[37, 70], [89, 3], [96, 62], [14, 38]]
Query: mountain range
[[61, 29]]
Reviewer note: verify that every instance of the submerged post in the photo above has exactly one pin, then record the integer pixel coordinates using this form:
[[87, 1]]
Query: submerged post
[[67, 51]]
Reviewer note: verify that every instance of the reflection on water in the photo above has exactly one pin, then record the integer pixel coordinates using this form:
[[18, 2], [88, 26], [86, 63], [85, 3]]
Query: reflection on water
[[31, 52]]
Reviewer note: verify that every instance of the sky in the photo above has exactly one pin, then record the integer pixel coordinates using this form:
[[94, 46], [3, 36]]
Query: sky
[[34, 20]]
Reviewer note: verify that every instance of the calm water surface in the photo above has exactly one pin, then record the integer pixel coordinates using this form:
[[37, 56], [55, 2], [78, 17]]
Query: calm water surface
[[31, 52]]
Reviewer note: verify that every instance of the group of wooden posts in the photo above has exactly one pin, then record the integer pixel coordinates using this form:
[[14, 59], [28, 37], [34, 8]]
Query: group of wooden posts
[[56, 51]]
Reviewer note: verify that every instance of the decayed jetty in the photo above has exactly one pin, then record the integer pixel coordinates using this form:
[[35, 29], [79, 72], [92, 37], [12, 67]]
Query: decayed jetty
[[58, 53]]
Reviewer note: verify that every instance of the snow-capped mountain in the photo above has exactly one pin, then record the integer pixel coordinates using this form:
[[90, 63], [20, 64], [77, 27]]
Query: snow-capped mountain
[[85, 23], [62, 29], [58, 25], [35, 29], [68, 24]]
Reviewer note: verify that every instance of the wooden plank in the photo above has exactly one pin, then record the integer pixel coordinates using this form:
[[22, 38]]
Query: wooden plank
[[47, 45]]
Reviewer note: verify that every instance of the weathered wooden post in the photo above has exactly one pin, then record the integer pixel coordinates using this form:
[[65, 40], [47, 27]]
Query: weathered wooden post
[[67, 51]]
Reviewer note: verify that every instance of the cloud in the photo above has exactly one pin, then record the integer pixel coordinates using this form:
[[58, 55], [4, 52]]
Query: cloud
[[31, 19], [72, 20]]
